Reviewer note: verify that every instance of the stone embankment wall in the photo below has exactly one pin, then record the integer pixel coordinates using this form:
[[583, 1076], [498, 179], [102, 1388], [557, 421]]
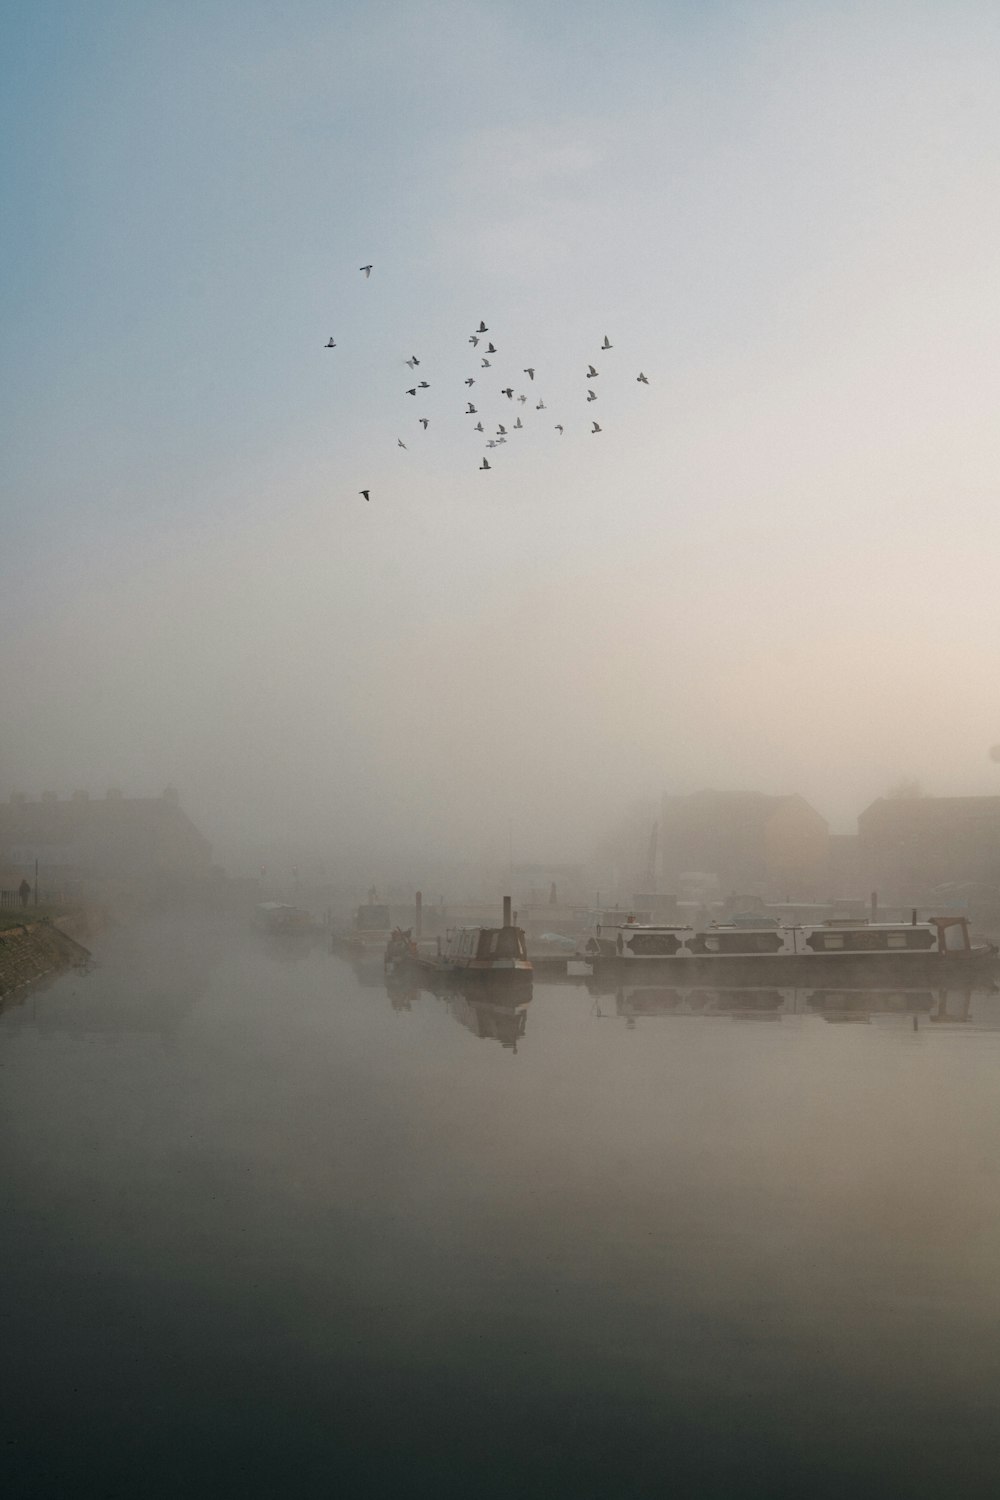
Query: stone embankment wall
[[30, 952]]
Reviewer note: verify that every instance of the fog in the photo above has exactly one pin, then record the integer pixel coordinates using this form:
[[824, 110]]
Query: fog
[[773, 568]]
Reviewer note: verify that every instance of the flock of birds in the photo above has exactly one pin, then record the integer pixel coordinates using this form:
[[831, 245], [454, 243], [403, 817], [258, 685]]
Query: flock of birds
[[520, 399]]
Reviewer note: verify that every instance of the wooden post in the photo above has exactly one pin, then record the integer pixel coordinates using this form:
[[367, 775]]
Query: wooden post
[[418, 916], [506, 911]]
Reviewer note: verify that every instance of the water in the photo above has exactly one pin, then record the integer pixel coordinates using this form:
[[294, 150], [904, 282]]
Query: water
[[269, 1230]]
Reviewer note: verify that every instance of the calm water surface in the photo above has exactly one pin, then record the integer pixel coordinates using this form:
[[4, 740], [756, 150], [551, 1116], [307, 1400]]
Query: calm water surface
[[267, 1229]]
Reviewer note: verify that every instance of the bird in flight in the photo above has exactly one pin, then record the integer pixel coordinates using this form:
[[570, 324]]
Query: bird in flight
[[330, 344], [482, 327], [471, 412], [470, 381], [413, 361], [422, 385], [478, 427], [400, 443], [363, 492], [487, 364], [529, 372], [491, 348], [597, 428], [641, 378], [484, 464], [473, 339], [540, 406], [508, 391], [501, 430], [591, 372], [501, 440], [367, 270], [412, 391], [522, 399], [519, 423], [591, 396], [491, 442], [559, 428], [423, 422], [607, 343]]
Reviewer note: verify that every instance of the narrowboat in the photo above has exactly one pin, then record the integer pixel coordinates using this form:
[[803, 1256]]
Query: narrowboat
[[482, 954], [938, 950], [278, 917]]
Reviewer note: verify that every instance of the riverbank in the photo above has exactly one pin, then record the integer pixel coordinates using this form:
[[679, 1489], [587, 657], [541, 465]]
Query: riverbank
[[32, 950]]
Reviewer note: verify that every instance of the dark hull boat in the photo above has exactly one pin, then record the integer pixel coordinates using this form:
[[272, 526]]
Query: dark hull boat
[[489, 956]]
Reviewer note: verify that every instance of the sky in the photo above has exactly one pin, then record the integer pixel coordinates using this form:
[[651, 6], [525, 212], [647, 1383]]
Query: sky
[[773, 567]]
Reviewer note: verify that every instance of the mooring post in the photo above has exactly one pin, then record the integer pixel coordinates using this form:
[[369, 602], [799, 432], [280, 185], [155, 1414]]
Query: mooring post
[[506, 911], [418, 916]]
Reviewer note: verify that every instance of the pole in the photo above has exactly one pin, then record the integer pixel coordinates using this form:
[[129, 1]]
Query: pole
[[36, 882]]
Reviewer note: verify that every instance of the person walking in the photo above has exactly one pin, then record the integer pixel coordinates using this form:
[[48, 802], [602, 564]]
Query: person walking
[[24, 891]]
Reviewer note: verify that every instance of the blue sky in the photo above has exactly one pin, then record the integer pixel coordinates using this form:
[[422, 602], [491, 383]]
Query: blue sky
[[786, 214]]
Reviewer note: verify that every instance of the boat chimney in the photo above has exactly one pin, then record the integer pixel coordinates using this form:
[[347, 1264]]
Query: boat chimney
[[418, 915], [506, 911], [874, 902], [913, 917]]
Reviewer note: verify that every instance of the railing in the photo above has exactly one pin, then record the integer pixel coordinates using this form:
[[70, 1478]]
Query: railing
[[11, 900]]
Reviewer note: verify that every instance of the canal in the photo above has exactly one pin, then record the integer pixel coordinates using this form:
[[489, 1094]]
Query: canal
[[270, 1229]]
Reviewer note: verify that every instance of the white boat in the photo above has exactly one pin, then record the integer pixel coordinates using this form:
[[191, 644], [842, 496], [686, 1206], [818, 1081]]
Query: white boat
[[939, 946]]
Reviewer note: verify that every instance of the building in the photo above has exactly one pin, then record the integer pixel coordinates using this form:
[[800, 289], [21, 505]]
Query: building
[[773, 846], [80, 843], [910, 845]]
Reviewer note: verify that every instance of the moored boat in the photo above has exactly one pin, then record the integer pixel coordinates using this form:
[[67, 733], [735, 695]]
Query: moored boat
[[279, 917], [842, 951], [483, 954]]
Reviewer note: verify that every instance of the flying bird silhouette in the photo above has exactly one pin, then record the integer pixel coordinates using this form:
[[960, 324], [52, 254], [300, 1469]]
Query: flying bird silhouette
[[413, 361], [519, 423], [400, 443], [491, 349], [363, 492], [367, 270], [484, 464], [470, 381], [478, 427], [597, 428], [540, 406], [473, 339], [422, 385], [559, 428], [591, 372], [471, 411], [501, 431], [591, 396], [412, 391], [491, 442], [330, 344], [522, 399], [508, 391], [482, 327], [529, 372], [641, 378], [487, 364], [607, 343], [423, 422]]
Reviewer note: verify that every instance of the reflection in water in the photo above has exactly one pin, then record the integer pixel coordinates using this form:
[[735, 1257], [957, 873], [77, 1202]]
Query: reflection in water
[[261, 1232], [835, 1006], [493, 1010]]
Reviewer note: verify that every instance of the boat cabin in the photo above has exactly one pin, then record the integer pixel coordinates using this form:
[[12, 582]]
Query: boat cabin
[[485, 947]]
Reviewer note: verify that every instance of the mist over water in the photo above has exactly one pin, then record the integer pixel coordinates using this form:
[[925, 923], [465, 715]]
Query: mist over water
[[270, 1226]]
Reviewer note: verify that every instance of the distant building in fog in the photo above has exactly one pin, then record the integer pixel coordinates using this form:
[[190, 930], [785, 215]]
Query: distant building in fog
[[909, 845], [148, 842], [751, 842]]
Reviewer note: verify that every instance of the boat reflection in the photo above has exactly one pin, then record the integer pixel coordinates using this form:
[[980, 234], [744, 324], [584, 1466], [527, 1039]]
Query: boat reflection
[[632, 1002]]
